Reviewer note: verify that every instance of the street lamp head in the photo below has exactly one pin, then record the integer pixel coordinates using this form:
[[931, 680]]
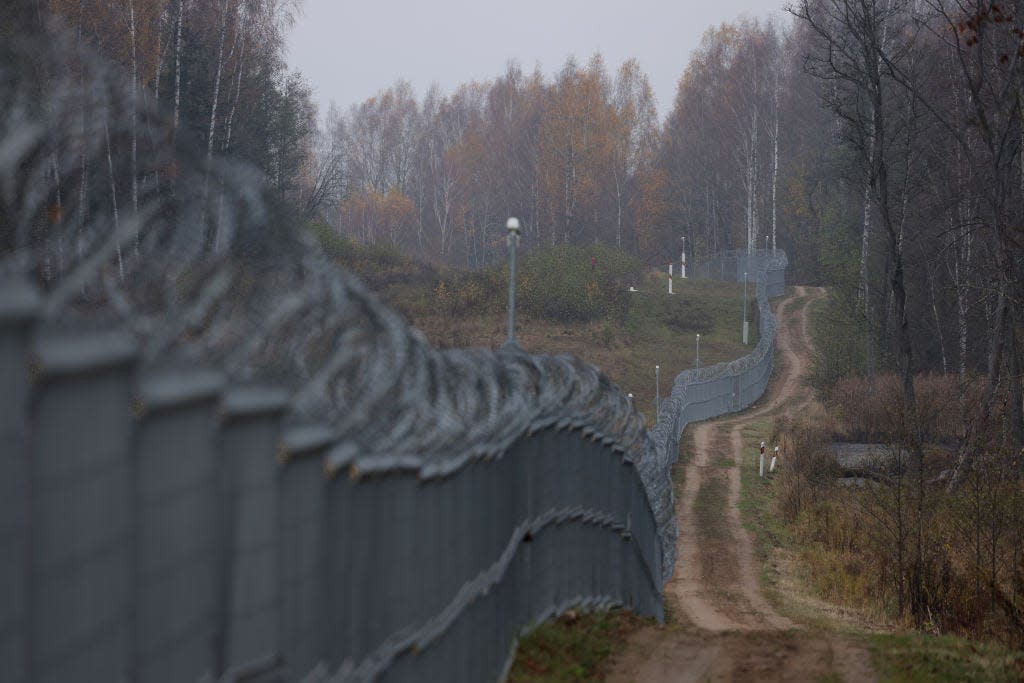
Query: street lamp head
[[512, 225]]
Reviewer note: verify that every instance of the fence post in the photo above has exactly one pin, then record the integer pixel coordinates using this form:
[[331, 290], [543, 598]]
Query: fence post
[[304, 631], [248, 637], [176, 502], [81, 494], [19, 305]]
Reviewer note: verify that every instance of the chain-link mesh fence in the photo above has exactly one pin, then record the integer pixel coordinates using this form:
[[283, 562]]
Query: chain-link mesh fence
[[701, 394]]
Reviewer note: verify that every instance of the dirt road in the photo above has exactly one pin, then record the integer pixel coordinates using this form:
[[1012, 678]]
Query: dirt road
[[725, 629]]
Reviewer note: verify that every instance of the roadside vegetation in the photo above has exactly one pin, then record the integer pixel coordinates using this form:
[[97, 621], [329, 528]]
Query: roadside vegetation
[[891, 542], [574, 647], [825, 562]]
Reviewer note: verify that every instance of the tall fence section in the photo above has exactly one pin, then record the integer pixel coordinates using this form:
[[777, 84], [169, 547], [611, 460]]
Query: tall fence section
[[705, 393], [168, 524]]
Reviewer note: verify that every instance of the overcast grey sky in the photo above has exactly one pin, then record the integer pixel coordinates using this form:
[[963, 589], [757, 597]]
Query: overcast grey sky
[[349, 51]]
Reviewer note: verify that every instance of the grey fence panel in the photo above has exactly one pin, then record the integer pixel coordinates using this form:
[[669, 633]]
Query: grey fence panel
[[339, 536], [176, 497], [81, 487], [249, 484], [18, 306], [303, 490]]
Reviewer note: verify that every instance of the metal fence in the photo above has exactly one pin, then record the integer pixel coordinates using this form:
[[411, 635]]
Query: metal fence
[[164, 525], [722, 388], [731, 265]]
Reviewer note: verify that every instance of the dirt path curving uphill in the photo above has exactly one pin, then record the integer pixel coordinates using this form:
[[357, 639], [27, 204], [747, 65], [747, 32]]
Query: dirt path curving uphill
[[727, 630]]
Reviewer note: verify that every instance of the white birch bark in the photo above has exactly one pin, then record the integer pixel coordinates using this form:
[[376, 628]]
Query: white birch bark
[[113, 197], [177, 66], [227, 134], [60, 213], [134, 112], [865, 290], [775, 159], [214, 104]]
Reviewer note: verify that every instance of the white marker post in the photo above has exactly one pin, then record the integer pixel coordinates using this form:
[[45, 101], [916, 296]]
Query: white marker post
[[762, 459], [657, 391], [775, 458], [682, 261], [670, 278]]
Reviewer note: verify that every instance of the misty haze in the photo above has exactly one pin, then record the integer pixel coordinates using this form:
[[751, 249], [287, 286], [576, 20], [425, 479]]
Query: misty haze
[[534, 342]]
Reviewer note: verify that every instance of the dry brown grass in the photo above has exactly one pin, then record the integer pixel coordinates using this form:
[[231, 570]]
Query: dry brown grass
[[857, 415], [625, 350], [901, 542]]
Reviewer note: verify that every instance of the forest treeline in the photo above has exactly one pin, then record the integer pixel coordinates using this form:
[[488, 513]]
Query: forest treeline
[[878, 141], [197, 82]]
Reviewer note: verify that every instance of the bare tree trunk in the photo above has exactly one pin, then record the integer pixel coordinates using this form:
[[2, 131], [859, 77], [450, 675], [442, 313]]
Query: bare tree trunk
[[750, 196], [60, 213], [227, 134], [113, 197], [159, 60], [961, 261], [618, 210], [865, 293], [134, 113], [935, 316], [775, 161], [177, 67], [209, 240], [83, 176]]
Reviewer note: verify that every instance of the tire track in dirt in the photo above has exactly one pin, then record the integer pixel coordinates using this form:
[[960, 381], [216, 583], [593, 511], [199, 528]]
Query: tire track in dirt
[[728, 629]]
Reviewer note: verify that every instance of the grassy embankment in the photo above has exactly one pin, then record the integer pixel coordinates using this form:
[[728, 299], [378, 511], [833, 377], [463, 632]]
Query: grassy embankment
[[566, 306]]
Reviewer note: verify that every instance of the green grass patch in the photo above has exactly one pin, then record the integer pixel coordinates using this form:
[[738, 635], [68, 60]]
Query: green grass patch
[[573, 648], [710, 506], [919, 657], [757, 507]]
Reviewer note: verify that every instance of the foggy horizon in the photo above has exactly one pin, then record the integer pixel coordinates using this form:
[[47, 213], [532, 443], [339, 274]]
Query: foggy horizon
[[427, 45]]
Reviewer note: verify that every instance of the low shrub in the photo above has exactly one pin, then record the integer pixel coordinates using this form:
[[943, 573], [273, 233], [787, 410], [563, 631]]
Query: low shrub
[[472, 292], [380, 265], [577, 284], [876, 414]]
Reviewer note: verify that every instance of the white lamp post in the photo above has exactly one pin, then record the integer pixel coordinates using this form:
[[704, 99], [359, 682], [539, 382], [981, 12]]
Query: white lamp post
[[513, 241], [698, 350]]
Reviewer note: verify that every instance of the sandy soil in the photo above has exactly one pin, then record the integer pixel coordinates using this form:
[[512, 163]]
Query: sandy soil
[[727, 630]]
